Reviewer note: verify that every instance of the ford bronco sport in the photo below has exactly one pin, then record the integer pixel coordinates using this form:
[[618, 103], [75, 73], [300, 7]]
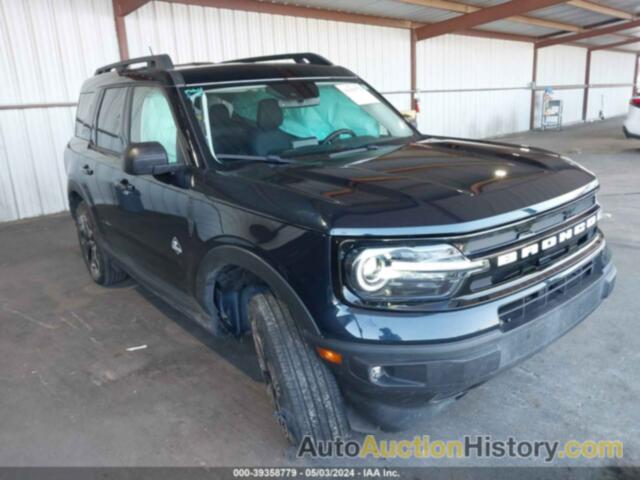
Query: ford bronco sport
[[378, 270]]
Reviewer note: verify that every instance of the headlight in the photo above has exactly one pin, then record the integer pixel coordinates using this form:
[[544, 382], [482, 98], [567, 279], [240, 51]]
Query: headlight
[[407, 273]]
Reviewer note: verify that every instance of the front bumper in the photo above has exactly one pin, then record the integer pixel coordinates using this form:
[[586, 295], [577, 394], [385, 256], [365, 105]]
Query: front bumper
[[417, 374], [631, 126], [628, 134]]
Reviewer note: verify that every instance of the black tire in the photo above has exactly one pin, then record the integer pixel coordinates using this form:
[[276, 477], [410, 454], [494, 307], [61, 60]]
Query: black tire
[[303, 389], [101, 267]]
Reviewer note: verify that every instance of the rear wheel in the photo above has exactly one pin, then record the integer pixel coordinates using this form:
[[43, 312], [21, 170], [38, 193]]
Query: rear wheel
[[100, 265], [304, 392]]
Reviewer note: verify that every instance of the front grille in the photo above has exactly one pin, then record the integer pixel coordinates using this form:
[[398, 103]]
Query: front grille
[[522, 310], [504, 274], [484, 243]]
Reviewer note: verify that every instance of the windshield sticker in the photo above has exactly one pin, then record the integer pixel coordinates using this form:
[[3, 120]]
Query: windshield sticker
[[357, 93]]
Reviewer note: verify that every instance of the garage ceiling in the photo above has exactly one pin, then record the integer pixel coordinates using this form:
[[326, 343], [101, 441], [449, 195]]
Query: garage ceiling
[[553, 21]]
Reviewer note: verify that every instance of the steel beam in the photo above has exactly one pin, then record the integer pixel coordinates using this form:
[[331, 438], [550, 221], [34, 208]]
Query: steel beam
[[592, 32], [497, 35], [125, 7], [466, 8], [616, 44], [601, 9], [121, 30], [486, 15], [299, 11]]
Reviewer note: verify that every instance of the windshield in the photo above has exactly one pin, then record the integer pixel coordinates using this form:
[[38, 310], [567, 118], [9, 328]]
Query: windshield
[[294, 119]]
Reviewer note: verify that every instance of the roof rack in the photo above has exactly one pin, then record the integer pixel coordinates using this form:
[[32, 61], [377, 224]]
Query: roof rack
[[193, 64], [312, 58], [160, 62]]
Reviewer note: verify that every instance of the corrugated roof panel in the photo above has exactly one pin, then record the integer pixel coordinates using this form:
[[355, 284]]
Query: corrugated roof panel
[[506, 26], [601, 40], [632, 31], [568, 14], [395, 9], [631, 6], [380, 8]]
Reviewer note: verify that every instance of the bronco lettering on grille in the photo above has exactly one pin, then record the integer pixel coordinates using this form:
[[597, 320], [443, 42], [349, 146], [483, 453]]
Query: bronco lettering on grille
[[547, 243]]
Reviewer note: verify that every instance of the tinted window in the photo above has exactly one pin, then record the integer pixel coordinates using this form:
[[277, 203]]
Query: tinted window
[[152, 121], [84, 117], [109, 126]]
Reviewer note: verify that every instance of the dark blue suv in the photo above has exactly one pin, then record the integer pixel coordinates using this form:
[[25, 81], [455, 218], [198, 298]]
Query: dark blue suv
[[375, 267]]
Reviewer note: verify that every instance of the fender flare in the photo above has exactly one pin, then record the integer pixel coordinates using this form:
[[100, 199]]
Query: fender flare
[[75, 187], [231, 255]]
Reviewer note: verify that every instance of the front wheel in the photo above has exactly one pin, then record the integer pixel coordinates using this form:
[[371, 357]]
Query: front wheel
[[100, 265], [304, 392]]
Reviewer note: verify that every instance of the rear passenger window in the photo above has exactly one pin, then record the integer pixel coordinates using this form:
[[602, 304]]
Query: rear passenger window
[[84, 117], [109, 127]]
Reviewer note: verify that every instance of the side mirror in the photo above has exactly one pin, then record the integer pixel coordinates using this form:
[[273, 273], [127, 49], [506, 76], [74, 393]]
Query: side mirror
[[146, 158]]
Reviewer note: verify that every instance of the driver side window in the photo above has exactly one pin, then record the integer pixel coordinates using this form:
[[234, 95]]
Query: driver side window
[[152, 121]]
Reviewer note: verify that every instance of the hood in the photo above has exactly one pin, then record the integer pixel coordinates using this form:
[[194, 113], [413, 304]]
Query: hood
[[433, 183]]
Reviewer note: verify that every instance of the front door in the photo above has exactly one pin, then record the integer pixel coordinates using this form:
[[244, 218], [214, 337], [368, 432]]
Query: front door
[[153, 209]]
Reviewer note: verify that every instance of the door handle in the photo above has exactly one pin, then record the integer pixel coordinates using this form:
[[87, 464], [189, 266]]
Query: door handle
[[125, 186], [87, 170]]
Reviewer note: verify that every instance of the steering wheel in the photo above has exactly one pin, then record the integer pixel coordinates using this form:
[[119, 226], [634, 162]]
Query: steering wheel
[[334, 135]]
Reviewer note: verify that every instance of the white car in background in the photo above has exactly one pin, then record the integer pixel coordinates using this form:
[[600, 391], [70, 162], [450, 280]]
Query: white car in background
[[631, 126]]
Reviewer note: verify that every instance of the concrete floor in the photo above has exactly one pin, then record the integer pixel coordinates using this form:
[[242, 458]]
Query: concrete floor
[[71, 394]]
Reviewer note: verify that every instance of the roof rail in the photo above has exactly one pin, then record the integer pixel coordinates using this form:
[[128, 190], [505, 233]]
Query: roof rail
[[193, 64], [160, 62], [306, 57]]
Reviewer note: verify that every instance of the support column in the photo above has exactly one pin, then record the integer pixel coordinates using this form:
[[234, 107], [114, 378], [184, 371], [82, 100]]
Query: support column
[[414, 74], [587, 79], [121, 31], [635, 76], [534, 79]]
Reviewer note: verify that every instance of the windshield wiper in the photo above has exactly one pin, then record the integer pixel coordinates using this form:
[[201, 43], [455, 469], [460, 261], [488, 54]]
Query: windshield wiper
[[273, 159], [349, 151]]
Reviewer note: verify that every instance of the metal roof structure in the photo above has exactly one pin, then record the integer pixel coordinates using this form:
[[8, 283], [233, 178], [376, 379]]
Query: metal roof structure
[[592, 24], [579, 14], [542, 22]]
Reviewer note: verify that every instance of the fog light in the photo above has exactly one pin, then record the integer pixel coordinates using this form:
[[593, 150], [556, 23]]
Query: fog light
[[376, 373]]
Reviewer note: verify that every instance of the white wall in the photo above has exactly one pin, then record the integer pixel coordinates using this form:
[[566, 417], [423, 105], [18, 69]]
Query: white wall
[[562, 65], [47, 48], [381, 55], [610, 67], [463, 62]]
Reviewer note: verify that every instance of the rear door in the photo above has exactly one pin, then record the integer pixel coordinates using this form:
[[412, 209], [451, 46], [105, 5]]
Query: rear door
[[107, 147], [79, 158]]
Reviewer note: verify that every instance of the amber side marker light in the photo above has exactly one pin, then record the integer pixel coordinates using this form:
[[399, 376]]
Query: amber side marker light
[[329, 355]]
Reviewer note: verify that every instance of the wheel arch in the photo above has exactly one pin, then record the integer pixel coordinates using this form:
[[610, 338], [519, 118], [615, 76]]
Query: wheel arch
[[225, 256], [75, 195]]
